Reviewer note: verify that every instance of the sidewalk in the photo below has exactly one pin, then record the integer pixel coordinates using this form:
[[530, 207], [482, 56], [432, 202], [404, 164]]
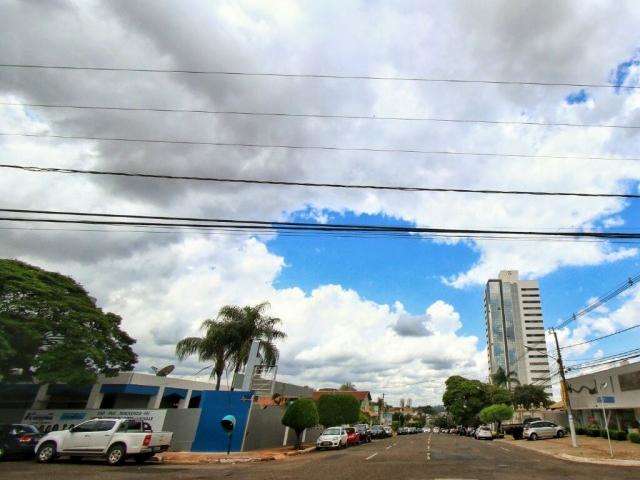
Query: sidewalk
[[190, 458], [590, 450]]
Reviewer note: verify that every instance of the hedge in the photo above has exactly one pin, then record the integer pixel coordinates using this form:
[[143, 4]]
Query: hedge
[[593, 432], [634, 437], [581, 431]]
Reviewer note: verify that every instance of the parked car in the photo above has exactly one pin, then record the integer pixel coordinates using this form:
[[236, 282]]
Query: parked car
[[333, 437], [18, 440], [426, 430], [436, 429], [377, 431], [353, 437], [470, 431], [388, 431], [515, 428], [364, 431], [115, 439], [543, 429], [483, 433]]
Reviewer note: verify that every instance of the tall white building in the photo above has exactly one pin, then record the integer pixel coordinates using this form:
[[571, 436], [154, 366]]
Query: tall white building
[[513, 316]]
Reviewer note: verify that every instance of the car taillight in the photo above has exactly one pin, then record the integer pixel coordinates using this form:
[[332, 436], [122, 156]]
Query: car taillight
[[25, 439], [147, 440]]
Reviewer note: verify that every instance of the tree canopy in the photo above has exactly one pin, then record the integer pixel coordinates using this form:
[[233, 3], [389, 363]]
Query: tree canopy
[[299, 415], [527, 395], [464, 398], [338, 409], [52, 331], [497, 413], [502, 379]]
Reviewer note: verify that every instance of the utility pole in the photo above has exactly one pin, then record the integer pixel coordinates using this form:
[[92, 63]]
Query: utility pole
[[565, 391]]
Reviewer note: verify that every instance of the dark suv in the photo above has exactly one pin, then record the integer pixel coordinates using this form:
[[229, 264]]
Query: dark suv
[[364, 431], [18, 440]]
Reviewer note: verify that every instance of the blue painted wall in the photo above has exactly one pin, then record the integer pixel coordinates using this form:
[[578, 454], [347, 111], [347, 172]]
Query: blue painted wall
[[210, 437]]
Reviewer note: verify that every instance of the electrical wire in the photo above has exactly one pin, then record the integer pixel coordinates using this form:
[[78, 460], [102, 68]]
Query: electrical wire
[[601, 338], [317, 76], [403, 118], [36, 169], [319, 147], [270, 225], [630, 282]]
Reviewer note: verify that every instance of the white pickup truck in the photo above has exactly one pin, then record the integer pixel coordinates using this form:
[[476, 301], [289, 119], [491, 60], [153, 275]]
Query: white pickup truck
[[115, 439]]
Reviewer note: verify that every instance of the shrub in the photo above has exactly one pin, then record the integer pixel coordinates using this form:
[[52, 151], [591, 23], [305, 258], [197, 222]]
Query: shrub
[[634, 437], [603, 433], [581, 431], [299, 415], [593, 432], [621, 435]]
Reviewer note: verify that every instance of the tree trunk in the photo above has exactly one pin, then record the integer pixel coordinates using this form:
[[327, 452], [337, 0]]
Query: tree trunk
[[218, 379], [299, 439]]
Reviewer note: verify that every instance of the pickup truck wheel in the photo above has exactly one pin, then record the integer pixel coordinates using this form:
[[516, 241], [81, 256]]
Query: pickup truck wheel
[[116, 454], [533, 436], [560, 434], [47, 452]]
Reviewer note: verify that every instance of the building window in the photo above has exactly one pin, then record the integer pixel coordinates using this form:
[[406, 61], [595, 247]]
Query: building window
[[629, 381]]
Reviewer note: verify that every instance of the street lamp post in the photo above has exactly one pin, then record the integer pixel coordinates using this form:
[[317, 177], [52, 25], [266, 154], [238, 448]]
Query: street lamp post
[[604, 414]]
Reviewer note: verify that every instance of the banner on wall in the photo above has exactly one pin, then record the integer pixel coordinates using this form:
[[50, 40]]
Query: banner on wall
[[52, 420]]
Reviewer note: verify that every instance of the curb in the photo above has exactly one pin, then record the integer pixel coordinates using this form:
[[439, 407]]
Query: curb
[[573, 458], [231, 460]]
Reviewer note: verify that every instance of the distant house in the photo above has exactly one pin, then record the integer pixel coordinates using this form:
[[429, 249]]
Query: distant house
[[364, 397]]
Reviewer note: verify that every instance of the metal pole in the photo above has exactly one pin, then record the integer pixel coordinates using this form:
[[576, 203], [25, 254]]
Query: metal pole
[[604, 416], [572, 427]]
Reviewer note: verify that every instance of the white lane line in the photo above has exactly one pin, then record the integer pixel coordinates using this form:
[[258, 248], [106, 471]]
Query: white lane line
[[505, 449], [371, 456]]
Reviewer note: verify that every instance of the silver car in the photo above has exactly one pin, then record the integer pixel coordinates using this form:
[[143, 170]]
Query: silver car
[[543, 429]]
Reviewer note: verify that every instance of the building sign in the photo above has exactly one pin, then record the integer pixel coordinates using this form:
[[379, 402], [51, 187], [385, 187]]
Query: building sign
[[629, 381], [606, 399], [52, 420]]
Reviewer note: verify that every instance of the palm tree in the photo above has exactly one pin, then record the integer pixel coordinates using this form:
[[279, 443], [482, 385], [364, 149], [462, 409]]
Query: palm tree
[[216, 345], [501, 379], [250, 323]]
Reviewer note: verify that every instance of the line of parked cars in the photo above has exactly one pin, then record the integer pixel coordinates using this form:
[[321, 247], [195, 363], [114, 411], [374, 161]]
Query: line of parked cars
[[348, 436], [114, 439], [410, 430]]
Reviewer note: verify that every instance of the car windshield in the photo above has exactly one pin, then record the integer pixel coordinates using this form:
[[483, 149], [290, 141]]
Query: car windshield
[[332, 431]]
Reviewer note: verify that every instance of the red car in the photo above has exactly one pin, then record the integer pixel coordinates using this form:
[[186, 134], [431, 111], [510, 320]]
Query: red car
[[353, 437]]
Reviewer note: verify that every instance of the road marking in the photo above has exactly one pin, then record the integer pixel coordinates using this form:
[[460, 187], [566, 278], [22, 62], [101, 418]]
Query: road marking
[[505, 449], [389, 447], [371, 456]]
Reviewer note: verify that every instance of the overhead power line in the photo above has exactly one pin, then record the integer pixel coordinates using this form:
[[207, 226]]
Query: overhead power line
[[36, 169], [316, 76], [630, 282], [600, 338], [403, 118], [169, 221], [317, 147], [619, 357]]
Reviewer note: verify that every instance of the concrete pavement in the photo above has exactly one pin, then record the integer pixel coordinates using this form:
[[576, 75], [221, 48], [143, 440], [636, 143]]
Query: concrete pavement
[[420, 456]]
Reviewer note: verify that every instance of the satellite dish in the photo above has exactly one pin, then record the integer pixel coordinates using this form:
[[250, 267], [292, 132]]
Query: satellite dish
[[164, 371]]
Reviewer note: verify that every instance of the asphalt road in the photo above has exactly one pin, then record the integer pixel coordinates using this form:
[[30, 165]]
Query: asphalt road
[[411, 457]]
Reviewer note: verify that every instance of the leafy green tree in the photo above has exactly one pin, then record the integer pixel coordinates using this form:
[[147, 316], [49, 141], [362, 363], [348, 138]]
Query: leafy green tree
[[300, 415], [497, 394], [347, 386], [496, 414], [427, 409], [250, 323], [52, 331], [217, 346], [531, 395], [464, 398], [501, 379], [338, 409]]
